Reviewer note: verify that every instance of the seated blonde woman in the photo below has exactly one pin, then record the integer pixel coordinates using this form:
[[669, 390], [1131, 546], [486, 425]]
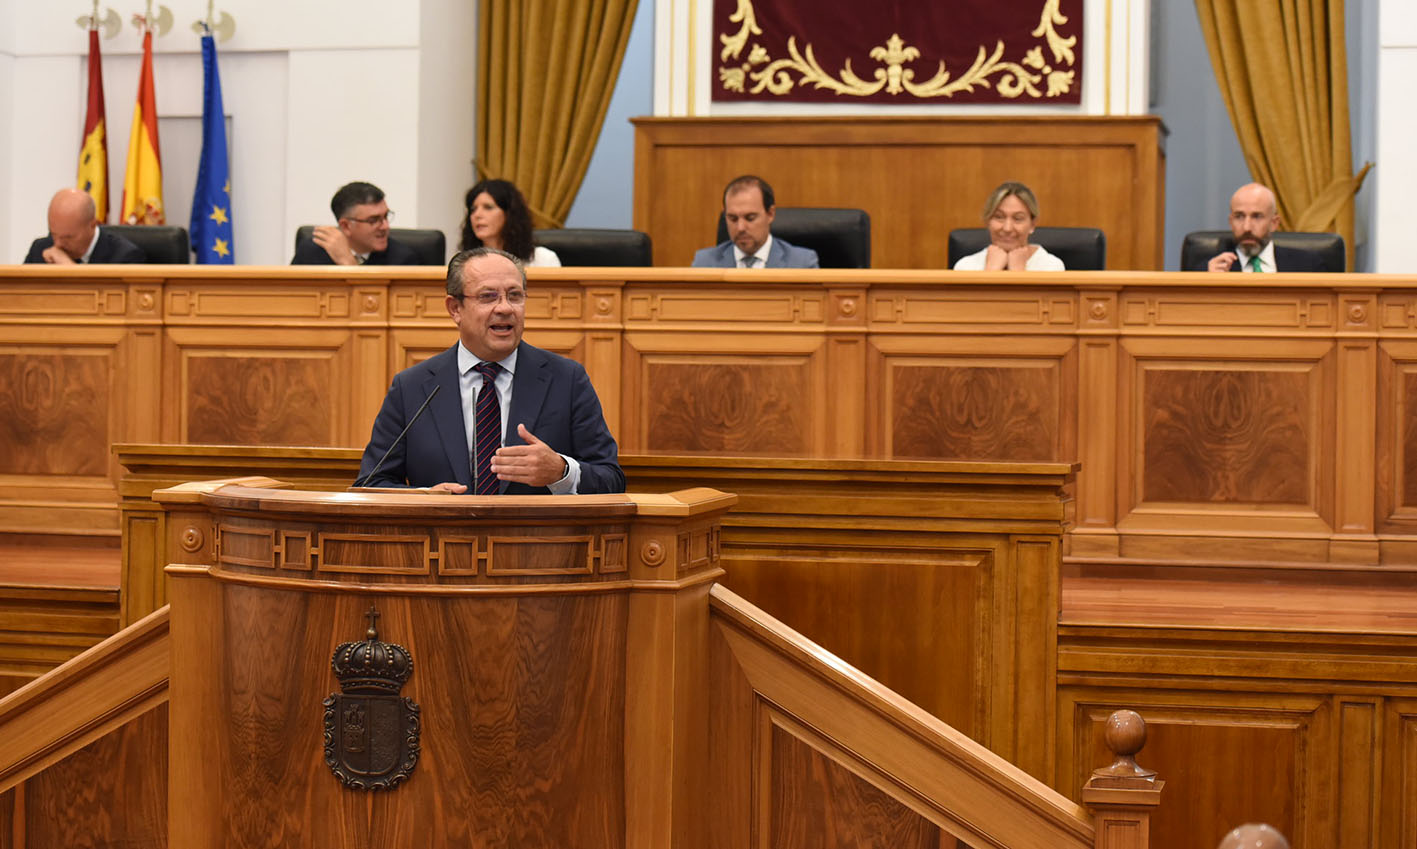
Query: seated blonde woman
[[1011, 213]]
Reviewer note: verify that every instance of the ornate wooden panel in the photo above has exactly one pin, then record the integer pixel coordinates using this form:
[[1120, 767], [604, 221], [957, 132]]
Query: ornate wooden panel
[[541, 731], [1227, 759], [54, 412], [703, 404], [264, 398], [112, 792], [1237, 436], [982, 410], [819, 804]]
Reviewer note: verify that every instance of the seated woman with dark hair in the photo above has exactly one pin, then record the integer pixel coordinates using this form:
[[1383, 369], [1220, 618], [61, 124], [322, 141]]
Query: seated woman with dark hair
[[1011, 213], [497, 217]]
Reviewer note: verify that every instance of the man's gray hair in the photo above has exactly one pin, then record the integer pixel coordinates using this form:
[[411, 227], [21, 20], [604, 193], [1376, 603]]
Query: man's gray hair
[[461, 258]]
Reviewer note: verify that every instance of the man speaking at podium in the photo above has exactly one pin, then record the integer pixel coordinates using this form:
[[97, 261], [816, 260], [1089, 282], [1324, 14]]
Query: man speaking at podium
[[492, 415]]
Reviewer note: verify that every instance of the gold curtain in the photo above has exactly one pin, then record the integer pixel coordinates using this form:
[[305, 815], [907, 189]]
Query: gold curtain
[[1283, 69], [546, 70]]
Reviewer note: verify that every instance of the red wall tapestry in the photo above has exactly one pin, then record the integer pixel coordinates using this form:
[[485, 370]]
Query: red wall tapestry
[[899, 51]]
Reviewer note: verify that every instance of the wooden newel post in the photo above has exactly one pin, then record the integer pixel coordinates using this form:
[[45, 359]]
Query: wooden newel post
[[1122, 796]]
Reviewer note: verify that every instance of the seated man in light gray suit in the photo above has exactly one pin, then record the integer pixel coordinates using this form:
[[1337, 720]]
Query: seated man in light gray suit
[[748, 209]]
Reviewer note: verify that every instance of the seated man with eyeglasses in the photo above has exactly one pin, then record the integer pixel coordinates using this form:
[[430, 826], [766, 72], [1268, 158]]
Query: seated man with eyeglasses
[[361, 235]]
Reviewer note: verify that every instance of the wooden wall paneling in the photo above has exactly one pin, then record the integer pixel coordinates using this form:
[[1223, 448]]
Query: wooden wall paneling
[[45, 626], [113, 792], [899, 169], [815, 802], [1398, 817], [1228, 434], [1358, 770], [12, 824], [1228, 758], [60, 407], [1098, 421], [260, 386], [1035, 664], [1395, 477], [975, 398], [759, 394], [144, 548], [1355, 411], [952, 649]]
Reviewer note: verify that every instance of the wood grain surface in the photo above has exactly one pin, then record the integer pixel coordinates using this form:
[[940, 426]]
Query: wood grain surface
[[112, 792]]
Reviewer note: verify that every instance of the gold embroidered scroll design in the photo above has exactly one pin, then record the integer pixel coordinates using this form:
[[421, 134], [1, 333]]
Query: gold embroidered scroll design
[[760, 72]]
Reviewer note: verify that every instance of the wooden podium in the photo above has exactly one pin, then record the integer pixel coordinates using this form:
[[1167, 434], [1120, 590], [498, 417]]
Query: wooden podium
[[557, 654]]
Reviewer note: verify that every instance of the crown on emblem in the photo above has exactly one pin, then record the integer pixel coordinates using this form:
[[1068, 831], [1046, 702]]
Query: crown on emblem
[[371, 665]]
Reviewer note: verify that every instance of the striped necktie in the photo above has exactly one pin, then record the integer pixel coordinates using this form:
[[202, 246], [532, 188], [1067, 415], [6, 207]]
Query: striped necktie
[[749, 261], [489, 431]]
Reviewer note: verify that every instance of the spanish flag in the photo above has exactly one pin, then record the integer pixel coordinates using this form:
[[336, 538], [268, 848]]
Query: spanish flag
[[142, 185], [93, 156]]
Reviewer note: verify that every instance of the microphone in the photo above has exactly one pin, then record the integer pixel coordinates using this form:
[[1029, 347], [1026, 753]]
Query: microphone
[[361, 481]]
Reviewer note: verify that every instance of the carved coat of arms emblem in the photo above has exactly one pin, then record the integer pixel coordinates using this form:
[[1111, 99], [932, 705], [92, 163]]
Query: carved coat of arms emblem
[[371, 732]]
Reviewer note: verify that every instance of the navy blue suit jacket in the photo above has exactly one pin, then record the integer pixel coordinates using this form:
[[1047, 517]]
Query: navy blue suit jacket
[[782, 254], [1285, 259], [110, 248], [551, 395], [397, 253]]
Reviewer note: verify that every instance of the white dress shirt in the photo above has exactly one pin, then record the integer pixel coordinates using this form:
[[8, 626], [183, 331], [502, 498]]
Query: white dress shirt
[[1267, 264]]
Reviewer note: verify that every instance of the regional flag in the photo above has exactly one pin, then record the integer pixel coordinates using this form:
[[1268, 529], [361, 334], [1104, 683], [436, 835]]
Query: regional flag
[[211, 204], [93, 155], [142, 185]]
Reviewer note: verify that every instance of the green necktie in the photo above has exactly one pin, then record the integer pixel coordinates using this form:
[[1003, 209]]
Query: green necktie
[[1255, 263]]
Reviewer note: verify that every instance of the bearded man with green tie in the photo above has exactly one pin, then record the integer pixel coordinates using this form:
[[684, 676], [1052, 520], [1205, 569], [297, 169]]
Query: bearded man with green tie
[[1254, 217]]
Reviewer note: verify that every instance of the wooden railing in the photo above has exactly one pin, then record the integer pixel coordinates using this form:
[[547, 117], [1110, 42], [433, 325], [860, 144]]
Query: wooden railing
[[85, 699], [796, 735]]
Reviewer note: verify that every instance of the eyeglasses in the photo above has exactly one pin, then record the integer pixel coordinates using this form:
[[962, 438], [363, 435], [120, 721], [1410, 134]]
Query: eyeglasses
[[375, 220], [492, 297]]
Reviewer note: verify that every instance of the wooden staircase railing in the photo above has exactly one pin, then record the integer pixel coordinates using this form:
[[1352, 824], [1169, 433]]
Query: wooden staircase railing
[[84, 699], [796, 734]]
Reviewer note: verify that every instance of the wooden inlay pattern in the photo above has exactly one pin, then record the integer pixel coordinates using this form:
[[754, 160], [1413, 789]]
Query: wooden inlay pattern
[[1226, 436], [974, 413], [759, 408], [264, 400], [54, 414]]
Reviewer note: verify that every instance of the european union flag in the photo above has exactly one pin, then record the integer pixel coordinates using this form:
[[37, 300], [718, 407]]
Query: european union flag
[[211, 205]]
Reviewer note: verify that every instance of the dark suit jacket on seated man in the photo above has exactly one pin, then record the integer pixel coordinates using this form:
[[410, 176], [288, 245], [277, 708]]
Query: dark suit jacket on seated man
[[1254, 216], [553, 434], [749, 208], [76, 237], [361, 234]]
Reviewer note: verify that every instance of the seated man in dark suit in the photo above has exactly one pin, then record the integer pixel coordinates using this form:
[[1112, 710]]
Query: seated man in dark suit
[[75, 237], [748, 209], [1254, 217], [361, 233], [507, 417]]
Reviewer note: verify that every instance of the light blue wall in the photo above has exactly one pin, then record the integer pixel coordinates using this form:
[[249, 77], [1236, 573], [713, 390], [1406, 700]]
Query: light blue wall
[[1204, 164], [606, 198]]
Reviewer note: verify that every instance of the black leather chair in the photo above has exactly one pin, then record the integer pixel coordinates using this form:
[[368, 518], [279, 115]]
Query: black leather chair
[[841, 237], [430, 245], [1080, 248], [1198, 247], [162, 245], [587, 246]]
